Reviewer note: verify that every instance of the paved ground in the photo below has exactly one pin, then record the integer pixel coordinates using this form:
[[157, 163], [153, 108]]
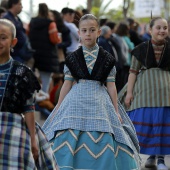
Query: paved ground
[[40, 120]]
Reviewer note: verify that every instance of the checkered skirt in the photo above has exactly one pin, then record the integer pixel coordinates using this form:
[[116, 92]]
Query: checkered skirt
[[15, 146]]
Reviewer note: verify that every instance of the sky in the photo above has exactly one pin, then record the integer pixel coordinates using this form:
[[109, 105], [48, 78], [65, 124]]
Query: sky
[[59, 4]]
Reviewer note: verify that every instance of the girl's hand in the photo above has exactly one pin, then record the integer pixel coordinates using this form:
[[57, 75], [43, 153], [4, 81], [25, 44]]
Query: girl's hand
[[128, 99], [34, 149]]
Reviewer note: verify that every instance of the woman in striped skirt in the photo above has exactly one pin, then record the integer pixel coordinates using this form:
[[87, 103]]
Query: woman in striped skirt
[[148, 94]]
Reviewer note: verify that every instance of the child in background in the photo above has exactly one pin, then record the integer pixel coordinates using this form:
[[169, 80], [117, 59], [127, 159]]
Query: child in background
[[89, 129], [55, 87]]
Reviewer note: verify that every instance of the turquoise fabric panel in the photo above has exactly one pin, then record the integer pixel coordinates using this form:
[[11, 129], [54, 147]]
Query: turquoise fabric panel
[[76, 149]]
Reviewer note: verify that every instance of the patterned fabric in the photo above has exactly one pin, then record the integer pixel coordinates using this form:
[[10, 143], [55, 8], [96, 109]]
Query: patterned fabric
[[154, 82], [20, 87], [158, 51], [4, 73], [136, 66], [153, 129], [110, 78], [90, 56], [146, 55], [15, 150], [46, 159], [102, 67], [67, 74], [76, 149], [150, 108], [88, 107]]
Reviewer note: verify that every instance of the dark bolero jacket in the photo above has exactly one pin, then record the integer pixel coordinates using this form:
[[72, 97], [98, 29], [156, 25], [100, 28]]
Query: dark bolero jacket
[[20, 86], [103, 65], [144, 53]]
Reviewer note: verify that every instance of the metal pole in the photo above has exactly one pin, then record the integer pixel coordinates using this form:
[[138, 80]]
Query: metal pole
[[89, 5], [31, 8], [167, 8]]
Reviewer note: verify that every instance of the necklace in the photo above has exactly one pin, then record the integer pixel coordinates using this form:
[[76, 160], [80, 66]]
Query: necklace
[[2, 74]]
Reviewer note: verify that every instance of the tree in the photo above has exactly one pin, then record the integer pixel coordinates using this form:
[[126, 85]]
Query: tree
[[99, 8], [89, 5], [166, 9], [126, 5]]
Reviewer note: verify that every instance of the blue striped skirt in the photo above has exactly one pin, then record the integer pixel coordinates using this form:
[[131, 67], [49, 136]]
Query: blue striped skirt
[[153, 129], [75, 149]]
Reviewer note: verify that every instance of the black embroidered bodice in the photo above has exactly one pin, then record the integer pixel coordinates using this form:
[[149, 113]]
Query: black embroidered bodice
[[145, 54], [78, 68], [21, 85]]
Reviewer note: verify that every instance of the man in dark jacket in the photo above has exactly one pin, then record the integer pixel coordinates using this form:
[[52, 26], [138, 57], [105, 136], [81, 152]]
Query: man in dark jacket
[[14, 8]]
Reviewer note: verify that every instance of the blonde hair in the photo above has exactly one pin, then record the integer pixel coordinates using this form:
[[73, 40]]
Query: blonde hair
[[10, 25]]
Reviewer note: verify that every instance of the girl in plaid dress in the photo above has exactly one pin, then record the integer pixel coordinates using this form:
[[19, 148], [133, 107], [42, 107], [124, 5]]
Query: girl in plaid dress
[[89, 129], [22, 143]]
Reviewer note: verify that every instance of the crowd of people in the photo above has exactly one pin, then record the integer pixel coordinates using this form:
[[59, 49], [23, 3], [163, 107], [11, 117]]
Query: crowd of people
[[101, 86]]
